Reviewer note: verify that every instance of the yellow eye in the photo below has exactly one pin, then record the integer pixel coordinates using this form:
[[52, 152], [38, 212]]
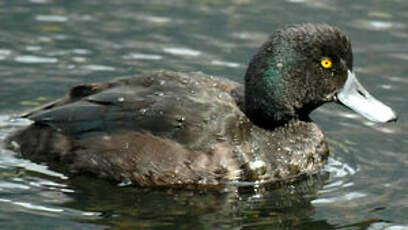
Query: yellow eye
[[326, 63]]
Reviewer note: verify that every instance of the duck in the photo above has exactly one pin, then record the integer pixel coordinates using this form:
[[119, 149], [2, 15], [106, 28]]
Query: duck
[[180, 129]]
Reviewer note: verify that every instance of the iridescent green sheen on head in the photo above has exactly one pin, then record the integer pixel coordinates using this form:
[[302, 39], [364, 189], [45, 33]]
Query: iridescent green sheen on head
[[285, 79], [285, 58]]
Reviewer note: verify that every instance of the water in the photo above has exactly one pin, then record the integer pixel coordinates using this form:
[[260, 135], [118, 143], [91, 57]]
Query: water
[[48, 45]]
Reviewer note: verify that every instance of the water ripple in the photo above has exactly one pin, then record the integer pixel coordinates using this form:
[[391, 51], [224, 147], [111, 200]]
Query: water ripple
[[338, 169], [8, 159], [35, 59], [182, 51], [51, 18], [226, 64], [155, 19], [33, 48], [376, 24], [344, 197], [98, 68], [10, 185], [39, 1], [37, 207], [81, 51], [143, 56], [386, 226], [5, 52]]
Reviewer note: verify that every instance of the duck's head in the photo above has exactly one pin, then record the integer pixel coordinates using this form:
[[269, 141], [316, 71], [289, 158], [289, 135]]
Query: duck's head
[[301, 67]]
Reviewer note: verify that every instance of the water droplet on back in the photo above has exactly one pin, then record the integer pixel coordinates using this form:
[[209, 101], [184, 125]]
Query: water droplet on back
[[180, 118], [125, 182], [203, 180], [184, 81], [241, 121], [159, 93]]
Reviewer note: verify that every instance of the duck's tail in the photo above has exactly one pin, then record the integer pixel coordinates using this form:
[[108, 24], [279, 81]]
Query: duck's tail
[[39, 143]]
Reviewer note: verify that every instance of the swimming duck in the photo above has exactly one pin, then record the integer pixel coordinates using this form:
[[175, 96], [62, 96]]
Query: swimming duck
[[190, 129]]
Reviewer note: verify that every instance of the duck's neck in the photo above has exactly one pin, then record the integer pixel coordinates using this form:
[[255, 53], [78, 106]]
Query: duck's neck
[[269, 101], [266, 116]]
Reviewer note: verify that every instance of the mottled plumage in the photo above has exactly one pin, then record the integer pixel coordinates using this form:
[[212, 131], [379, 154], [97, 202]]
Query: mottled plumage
[[190, 129]]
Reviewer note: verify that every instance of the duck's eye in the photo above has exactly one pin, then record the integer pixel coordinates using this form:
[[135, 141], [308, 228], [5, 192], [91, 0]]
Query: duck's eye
[[326, 63]]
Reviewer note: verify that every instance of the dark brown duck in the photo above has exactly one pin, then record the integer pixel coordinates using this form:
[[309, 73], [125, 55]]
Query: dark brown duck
[[187, 129]]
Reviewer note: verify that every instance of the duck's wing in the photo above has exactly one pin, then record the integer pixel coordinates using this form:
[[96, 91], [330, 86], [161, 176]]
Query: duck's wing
[[165, 104], [114, 107], [27, 114], [74, 94]]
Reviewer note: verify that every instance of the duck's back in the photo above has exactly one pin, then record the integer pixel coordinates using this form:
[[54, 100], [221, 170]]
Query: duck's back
[[165, 128]]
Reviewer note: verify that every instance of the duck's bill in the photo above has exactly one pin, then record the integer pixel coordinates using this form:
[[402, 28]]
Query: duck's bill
[[354, 96]]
